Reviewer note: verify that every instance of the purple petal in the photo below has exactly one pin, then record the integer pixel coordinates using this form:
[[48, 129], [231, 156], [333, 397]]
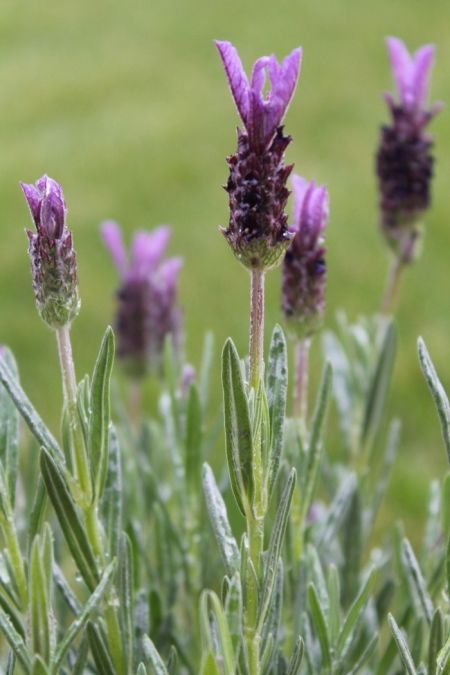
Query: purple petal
[[148, 247], [53, 207], [423, 62], [284, 80], [237, 79], [318, 210], [168, 271], [33, 197], [299, 187], [401, 64], [112, 237]]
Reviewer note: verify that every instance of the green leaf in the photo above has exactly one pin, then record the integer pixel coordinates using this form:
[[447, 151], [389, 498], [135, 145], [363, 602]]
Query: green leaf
[[320, 625], [98, 434], [337, 511], [238, 432], [80, 622], [355, 611], [211, 610], [9, 429], [379, 385], [26, 409], [9, 608], [352, 547], [334, 595], [443, 660], [63, 586], [275, 544], [69, 520], [194, 440], [126, 599], [209, 665], [233, 612], [402, 646], [153, 657], [296, 658], [416, 580], [437, 391], [309, 477], [39, 604], [366, 654], [276, 387], [436, 641], [37, 510], [141, 669], [113, 495], [39, 667], [15, 640], [99, 651], [219, 520]]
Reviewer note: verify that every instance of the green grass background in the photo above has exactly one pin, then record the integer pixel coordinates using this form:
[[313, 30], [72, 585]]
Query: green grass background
[[125, 103]]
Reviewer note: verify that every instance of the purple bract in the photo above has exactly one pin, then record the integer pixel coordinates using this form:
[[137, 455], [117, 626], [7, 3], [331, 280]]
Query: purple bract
[[304, 269], [147, 297], [404, 161], [257, 230]]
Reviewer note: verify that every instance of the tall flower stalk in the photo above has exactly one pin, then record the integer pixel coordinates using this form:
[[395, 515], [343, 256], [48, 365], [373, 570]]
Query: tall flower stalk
[[404, 161], [304, 281], [55, 285], [258, 235]]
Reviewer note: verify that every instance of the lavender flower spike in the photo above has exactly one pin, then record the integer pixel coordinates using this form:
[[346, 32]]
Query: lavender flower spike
[[53, 259], [147, 309], [404, 160], [304, 270], [257, 230]]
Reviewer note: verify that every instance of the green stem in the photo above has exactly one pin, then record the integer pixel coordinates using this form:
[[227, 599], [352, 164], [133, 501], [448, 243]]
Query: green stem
[[256, 341], [392, 286], [80, 464], [79, 459]]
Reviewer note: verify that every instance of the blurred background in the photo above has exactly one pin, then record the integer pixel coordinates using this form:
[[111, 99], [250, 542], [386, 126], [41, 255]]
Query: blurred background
[[125, 104]]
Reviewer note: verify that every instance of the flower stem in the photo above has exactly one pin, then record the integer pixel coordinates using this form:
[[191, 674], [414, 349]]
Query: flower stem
[[300, 404], [392, 286], [256, 340], [79, 459]]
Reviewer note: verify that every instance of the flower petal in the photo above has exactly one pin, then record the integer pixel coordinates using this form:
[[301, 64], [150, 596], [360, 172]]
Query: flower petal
[[284, 79], [237, 79], [401, 64], [147, 248], [112, 237], [423, 62]]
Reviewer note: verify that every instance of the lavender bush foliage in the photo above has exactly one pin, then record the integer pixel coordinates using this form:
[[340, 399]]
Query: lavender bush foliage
[[124, 574]]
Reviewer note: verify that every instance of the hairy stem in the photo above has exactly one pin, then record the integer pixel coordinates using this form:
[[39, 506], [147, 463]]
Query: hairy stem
[[256, 341], [392, 286], [79, 459]]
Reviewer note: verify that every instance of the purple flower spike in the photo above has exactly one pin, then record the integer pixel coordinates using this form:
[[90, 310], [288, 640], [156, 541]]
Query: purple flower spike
[[261, 114], [257, 230], [53, 259], [304, 269], [404, 160], [147, 309]]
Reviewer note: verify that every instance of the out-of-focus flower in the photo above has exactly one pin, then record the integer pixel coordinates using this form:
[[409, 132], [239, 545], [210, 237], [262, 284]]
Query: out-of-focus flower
[[404, 161], [257, 230], [147, 310], [53, 259], [304, 269]]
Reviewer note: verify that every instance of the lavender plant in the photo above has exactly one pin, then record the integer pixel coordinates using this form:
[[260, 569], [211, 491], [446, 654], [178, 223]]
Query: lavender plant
[[120, 575]]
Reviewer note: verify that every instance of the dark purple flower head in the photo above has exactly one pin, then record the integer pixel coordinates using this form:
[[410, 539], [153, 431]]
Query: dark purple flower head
[[404, 159], [257, 230], [304, 269], [53, 258], [147, 297], [261, 114]]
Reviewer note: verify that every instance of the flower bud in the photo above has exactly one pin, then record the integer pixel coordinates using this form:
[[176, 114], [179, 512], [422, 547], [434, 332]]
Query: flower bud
[[53, 259]]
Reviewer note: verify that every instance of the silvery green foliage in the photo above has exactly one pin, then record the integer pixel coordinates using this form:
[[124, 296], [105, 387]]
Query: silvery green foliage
[[151, 576]]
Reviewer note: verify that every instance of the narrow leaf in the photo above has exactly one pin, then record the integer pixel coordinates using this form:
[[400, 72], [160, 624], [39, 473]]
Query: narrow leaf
[[416, 580], [276, 387], [402, 646], [9, 428], [355, 611], [436, 641], [77, 626], [194, 439], [437, 391], [238, 432], [219, 520], [126, 599], [296, 658], [153, 657], [320, 625], [99, 651], [73, 530], [98, 435], [16, 641]]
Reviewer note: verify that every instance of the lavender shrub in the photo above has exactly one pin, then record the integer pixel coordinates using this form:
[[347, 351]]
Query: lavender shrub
[[124, 574]]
